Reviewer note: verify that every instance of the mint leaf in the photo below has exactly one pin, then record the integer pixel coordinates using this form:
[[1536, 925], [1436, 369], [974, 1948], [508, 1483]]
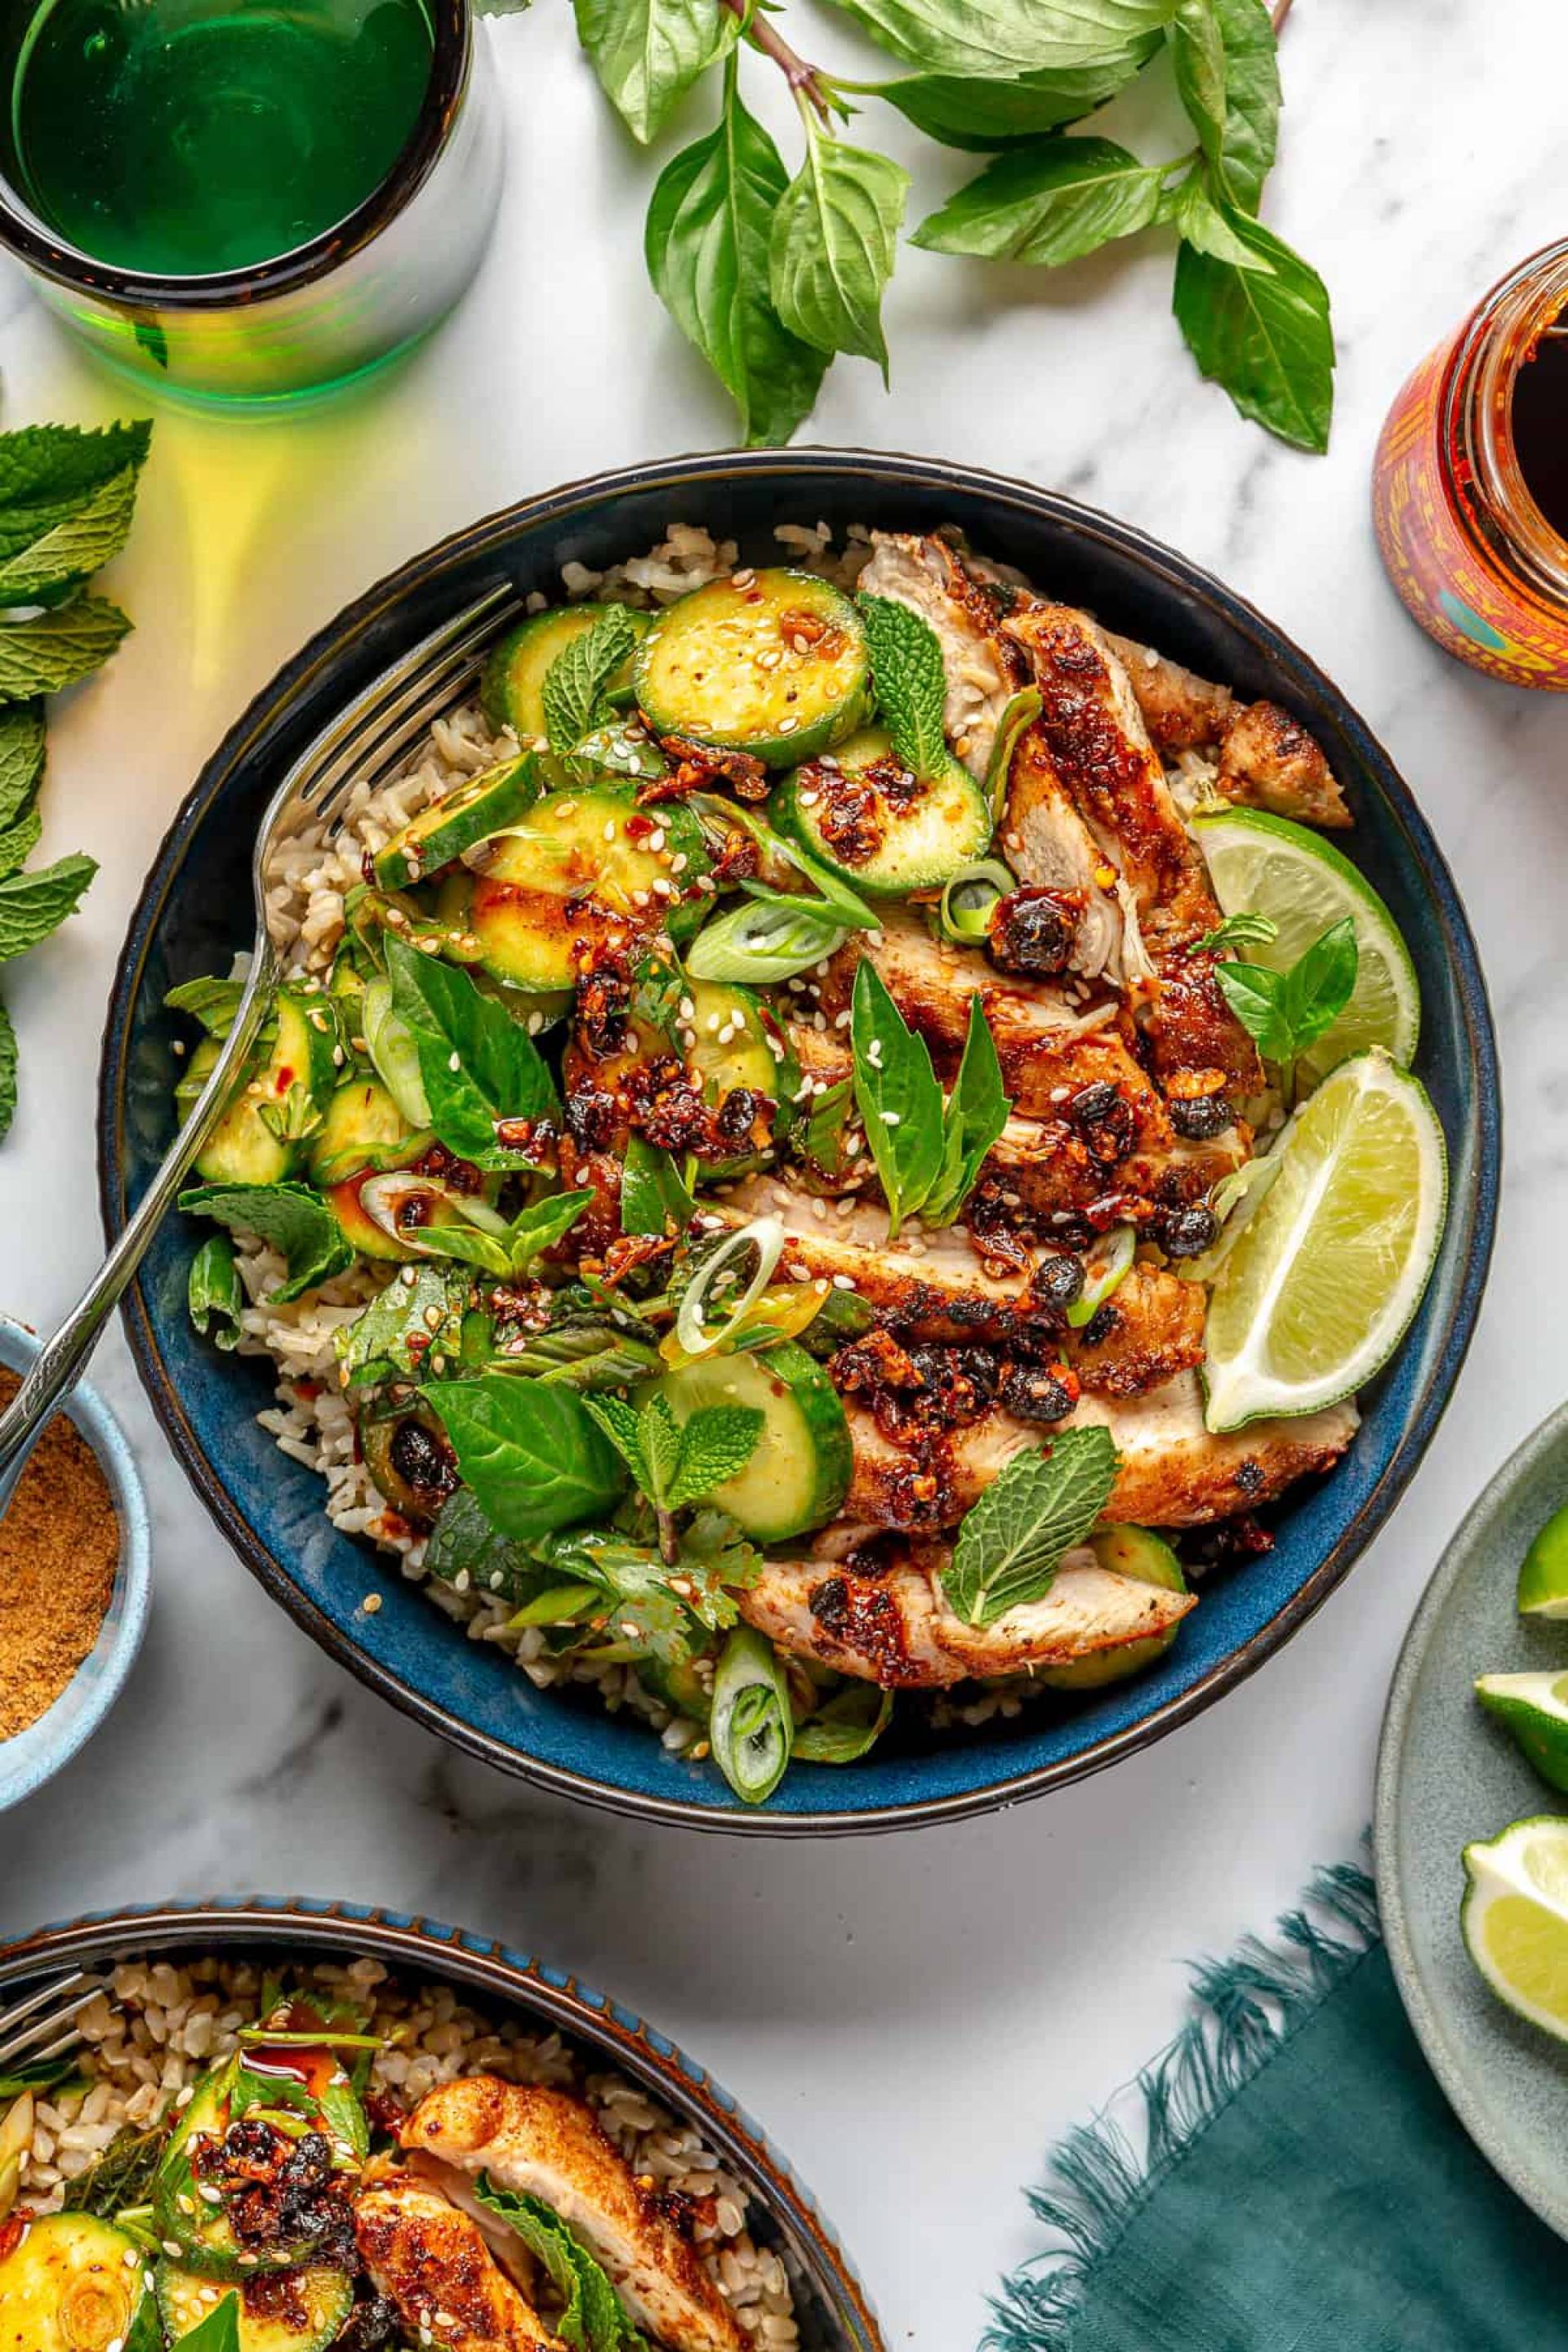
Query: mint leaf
[[622, 1424], [1048, 203], [1197, 55], [983, 114], [21, 758], [575, 680], [7, 1071], [213, 1292], [652, 1194], [292, 1218], [79, 543], [1038, 1507], [591, 2318], [465, 1550], [707, 248], [910, 681], [647, 53], [1206, 226], [898, 1097], [531, 1452], [56, 648], [716, 1444], [835, 238], [500, 1073], [1252, 98], [418, 1314], [977, 1111], [660, 1439], [992, 39], [58, 462], [1267, 338], [18, 841], [34, 904]]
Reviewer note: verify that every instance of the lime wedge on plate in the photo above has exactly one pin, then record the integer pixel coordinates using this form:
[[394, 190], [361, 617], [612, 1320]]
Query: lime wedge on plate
[[1544, 1579], [1514, 1918], [1535, 1709], [1330, 1268], [1264, 865]]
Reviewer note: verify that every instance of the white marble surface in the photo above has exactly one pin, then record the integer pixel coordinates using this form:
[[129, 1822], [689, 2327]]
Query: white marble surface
[[916, 2016]]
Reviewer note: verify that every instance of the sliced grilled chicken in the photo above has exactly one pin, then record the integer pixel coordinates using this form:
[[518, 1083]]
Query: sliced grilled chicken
[[541, 2143], [1174, 1472], [926, 575], [895, 1626], [432, 2263], [1181, 712], [1270, 761], [1050, 842]]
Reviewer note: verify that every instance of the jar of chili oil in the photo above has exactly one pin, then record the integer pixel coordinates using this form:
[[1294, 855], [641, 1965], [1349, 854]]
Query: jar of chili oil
[[1470, 486]]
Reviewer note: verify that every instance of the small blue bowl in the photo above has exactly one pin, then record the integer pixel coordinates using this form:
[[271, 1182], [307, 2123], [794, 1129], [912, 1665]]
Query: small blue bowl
[[195, 909], [35, 1755]]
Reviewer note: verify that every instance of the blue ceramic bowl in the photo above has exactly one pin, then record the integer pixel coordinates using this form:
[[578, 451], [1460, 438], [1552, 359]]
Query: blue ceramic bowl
[[35, 1755], [195, 910], [831, 2306]]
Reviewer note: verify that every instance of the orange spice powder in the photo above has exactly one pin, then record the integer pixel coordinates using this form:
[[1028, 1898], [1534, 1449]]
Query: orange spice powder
[[59, 1542]]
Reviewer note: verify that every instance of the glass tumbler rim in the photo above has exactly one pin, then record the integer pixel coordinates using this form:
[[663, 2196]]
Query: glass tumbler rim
[[26, 237]]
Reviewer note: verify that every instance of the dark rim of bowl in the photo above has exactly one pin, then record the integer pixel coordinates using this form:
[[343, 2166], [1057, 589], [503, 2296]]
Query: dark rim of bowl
[[495, 1970], [452, 39], [881, 471]]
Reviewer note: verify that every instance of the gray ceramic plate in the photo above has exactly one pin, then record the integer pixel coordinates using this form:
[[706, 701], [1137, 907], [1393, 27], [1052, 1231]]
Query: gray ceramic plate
[[1448, 1772]]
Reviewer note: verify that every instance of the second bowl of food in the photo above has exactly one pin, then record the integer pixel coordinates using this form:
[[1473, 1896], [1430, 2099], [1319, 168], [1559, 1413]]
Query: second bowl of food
[[863, 1188]]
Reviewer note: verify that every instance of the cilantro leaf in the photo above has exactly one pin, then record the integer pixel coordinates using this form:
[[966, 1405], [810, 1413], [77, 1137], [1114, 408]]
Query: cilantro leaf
[[574, 683], [716, 1557], [910, 680], [1038, 1505], [213, 1292], [500, 1073], [77, 545], [652, 1192], [294, 1220], [21, 758], [34, 904], [55, 649], [977, 1111], [898, 1097]]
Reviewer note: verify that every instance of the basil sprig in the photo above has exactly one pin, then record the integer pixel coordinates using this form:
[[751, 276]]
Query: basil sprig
[[1286, 1012], [534, 1457], [928, 1154], [477, 1066], [1038, 1507], [652, 1193]]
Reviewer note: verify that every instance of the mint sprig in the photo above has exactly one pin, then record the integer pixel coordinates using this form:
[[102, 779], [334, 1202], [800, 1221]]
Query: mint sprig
[[910, 679], [675, 1463], [573, 690], [1038, 1505]]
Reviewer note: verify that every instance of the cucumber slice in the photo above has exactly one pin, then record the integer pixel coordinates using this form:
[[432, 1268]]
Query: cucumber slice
[[72, 2283], [626, 748], [512, 688], [596, 843], [870, 818], [467, 816], [736, 1043], [362, 1131], [774, 663], [181, 2216], [1140, 1553], [260, 1136], [308, 2310], [799, 1474], [408, 1457]]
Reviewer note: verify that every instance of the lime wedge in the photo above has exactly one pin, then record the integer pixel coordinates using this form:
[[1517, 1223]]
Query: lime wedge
[[1544, 1579], [1330, 1268], [1514, 1918], [1535, 1709], [1264, 865]]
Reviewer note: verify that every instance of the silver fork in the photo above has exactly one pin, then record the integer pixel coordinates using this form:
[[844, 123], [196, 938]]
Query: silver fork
[[44, 2025], [364, 743]]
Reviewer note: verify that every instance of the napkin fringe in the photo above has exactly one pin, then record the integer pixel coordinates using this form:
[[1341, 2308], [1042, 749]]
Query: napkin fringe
[[1098, 2180]]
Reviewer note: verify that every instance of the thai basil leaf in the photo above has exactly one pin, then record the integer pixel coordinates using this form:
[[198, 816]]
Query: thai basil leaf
[[1265, 336], [213, 1002], [145, 2332], [592, 2318], [1252, 98], [994, 40], [1206, 226], [55, 648], [1286, 1012], [1243, 929], [977, 1111], [1197, 55], [824, 1135], [647, 53], [833, 242], [652, 1194], [751, 1727], [846, 1727], [500, 1073], [219, 2331], [532, 1454], [292, 1218], [213, 1292], [981, 114], [1036, 1507], [464, 1550], [910, 680], [1048, 203], [898, 1097], [34, 904]]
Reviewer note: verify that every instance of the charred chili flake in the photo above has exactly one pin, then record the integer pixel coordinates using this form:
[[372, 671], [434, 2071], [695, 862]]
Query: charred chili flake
[[443, 1167], [851, 805], [1032, 930], [1100, 1326], [701, 765]]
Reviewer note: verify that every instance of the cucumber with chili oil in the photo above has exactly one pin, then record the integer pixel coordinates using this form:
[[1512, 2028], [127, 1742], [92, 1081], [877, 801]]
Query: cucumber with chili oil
[[467, 815], [408, 1457], [576, 850], [733, 1043], [774, 662], [306, 2318], [363, 1129], [70, 2284], [870, 818], [278, 1100], [799, 1474], [513, 686], [181, 2215]]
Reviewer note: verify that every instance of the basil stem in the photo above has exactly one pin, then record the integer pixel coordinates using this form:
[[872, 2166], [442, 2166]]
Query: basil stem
[[753, 1727]]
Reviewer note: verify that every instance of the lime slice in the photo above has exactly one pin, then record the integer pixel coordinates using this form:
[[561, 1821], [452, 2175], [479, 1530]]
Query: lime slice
[[1264, 865], [1514, 1918], [1544, 1579], [1535, 1709], [1330, 1268]]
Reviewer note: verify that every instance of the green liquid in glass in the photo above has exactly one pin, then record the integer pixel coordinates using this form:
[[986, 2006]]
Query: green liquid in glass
[[182, 137]]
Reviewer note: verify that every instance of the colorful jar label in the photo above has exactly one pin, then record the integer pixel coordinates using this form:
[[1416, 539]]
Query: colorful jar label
[[1470, 609]]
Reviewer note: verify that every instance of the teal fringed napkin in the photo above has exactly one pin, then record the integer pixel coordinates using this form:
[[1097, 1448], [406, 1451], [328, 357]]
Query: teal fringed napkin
[[1304, 2187]]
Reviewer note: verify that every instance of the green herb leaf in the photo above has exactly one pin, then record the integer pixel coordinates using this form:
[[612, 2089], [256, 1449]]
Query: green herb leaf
[[500, 1073], [1265, 336], [77, 544], [1256, 997], [213, 1002], [219, 2331], [753, 1725], [648, 1618], [1205, 227], [591, 2318], [464, 1550], [707, 249], [49, 463], [21, 758], [652, 1194], [43, 2075], [823, 1141], [910, 680], [530, 1452], [1252, 98], [898, 1097], [835, 238], [34, 904], [647, 53], [1048, 203], [977, 1110], [981, 114], [1197, 55], [1243, 929], [295, 1219], [213, 1292], [7, 1071], [720, 817], [55, 648], [846, 1727], [1286, 1012], [658, 985], [574, 683], [508, 1254], [1036, 1507], [622, 1424], [992, 39], [145, 2332], [419, 1314], [716, 1444], [18, 841], [716, 1558], [763, 941]]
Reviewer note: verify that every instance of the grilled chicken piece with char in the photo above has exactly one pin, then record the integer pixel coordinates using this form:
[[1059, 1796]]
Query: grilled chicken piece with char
[[1266, 759], [1173, 1472], [882, 1616], [1050, 843], [432, 2263], [541, 2143], [982, 670]]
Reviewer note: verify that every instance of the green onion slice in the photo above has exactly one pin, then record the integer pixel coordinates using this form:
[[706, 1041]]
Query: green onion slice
[[753, 1727], [967, 901], [1106, 1265], [766, 1235], [764, 942]]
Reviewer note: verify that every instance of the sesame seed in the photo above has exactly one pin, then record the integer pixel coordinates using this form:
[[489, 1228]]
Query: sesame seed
[[454, 1061], [371, 1603], [891, 1118], [843, 1282]]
